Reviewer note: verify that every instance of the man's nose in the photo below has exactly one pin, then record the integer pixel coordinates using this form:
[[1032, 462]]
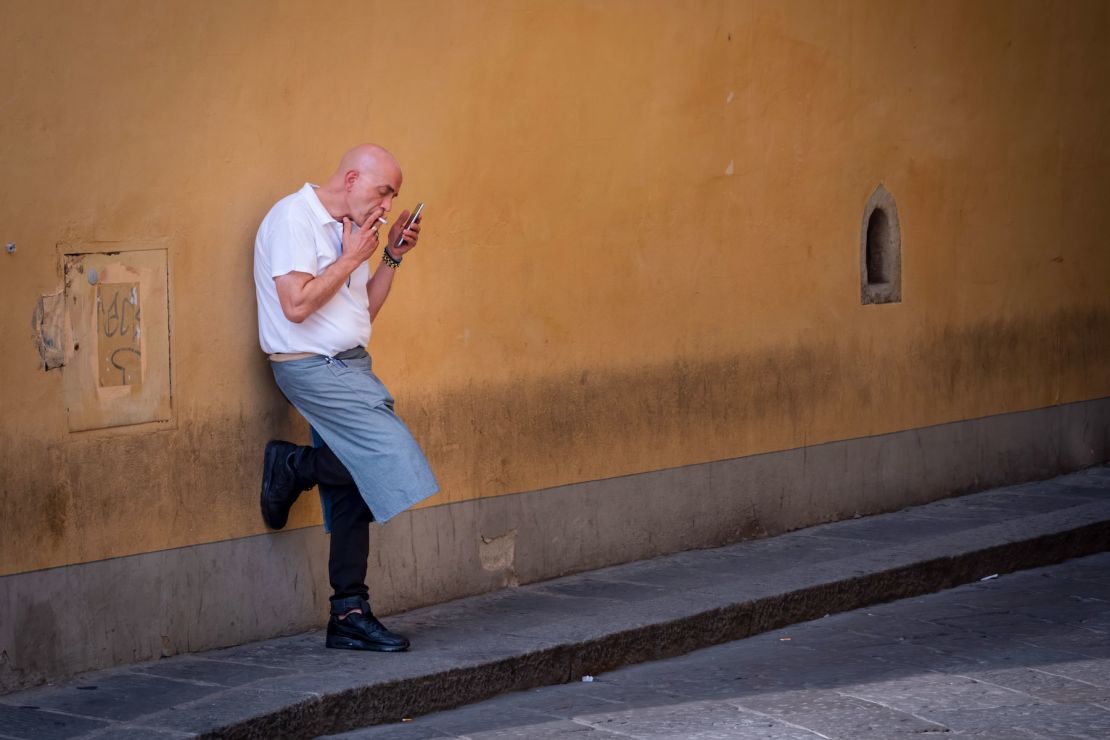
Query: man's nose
[[387, 203]]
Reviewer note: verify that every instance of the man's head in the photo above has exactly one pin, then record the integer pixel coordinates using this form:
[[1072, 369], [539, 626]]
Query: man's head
[[367, 177]]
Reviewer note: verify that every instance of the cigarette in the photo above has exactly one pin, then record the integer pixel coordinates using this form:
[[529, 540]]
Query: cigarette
[[382, 220]]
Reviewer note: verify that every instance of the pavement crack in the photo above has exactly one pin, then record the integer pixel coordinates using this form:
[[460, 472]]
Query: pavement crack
[[985, 682], [1068, 678], [773, 718], [598, 728], [899, 710]]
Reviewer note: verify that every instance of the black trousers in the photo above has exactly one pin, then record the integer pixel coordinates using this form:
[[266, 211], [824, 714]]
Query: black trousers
[[349, 522]]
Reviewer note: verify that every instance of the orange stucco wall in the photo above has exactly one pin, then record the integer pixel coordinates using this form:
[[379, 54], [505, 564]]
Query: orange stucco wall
[[641, 241]]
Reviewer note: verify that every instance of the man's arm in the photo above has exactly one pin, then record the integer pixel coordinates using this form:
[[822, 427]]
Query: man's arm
[[301, 294], [377, 289]]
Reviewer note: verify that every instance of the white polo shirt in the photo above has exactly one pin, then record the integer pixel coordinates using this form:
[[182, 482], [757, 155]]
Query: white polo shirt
[[299, 235]]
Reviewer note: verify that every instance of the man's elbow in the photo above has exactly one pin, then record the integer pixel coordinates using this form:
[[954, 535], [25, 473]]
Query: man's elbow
[[296, 314]]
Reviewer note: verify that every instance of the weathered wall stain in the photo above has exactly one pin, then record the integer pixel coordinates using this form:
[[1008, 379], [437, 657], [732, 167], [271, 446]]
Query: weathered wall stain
[[199, 482], [497, 554], [39, 651], [91, 497], [599, 420]]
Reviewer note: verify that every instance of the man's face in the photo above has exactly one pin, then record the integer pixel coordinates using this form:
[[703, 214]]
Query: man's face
[[371, 188]]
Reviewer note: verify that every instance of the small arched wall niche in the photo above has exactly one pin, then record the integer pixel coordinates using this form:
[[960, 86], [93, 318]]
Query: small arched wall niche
[[880, 250]]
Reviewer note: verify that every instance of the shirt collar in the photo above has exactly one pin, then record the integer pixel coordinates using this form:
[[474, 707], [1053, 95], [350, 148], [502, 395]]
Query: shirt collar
[[318, 211]]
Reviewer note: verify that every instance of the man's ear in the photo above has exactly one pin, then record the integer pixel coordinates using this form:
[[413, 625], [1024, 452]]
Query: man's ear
[[349, 179]]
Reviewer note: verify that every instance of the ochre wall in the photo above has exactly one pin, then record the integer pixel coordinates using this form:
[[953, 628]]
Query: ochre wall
[[642, 231]]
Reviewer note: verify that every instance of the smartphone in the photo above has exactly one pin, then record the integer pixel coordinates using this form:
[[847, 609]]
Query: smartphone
[[412, 219]]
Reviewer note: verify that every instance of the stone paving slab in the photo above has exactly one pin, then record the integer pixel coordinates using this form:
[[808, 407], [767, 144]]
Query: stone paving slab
[[818, 680], [27, 720], [553, 632]]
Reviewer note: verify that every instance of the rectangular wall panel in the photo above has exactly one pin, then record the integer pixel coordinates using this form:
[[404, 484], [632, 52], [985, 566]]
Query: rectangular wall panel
[[118, 355]]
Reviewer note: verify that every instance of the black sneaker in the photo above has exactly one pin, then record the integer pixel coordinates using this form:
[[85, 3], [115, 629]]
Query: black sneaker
[[363, 631], [280, 485]]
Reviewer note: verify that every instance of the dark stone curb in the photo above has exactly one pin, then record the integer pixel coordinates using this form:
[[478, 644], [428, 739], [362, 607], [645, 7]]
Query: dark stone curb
[[386, 702]]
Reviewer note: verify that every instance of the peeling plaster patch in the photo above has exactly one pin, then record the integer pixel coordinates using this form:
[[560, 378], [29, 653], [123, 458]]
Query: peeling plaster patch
[[497, 555], [48, 327], [730, 169], [731, 95]]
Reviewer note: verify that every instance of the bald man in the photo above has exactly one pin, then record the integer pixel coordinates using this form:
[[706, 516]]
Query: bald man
[[317, 299]]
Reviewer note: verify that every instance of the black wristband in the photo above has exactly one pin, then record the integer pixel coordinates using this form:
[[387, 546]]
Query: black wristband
[[389, 259]]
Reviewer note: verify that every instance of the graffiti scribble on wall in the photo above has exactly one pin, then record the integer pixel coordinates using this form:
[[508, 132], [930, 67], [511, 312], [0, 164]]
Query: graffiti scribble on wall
[[119, 349]]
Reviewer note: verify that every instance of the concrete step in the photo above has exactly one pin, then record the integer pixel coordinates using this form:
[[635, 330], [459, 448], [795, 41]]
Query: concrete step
[[557, 631]]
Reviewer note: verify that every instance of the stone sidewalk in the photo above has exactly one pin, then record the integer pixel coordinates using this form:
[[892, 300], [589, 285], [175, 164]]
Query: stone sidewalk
[[557, 631], [1025, 656]]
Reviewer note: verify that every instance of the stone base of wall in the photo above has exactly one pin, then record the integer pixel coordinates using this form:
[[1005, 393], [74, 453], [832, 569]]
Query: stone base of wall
[[65, 620]]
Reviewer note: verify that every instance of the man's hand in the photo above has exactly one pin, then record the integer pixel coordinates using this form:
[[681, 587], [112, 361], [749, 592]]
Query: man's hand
[[377, 290], [359, 244], [398, 230]]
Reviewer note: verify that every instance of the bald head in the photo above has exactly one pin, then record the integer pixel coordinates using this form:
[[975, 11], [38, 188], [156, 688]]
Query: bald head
[[368, 177], [367, 157]]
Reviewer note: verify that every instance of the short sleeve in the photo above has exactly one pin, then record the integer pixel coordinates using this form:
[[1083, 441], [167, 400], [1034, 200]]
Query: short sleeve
[[292, 246]]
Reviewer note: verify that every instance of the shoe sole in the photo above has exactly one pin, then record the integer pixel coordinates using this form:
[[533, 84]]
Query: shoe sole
[[267, 465], [347, 643]]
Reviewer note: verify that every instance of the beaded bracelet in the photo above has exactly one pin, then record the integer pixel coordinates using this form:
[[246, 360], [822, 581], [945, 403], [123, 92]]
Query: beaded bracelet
[[390, 260]]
